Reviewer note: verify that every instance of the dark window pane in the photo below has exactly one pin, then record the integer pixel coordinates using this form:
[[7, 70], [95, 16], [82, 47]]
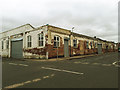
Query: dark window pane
[[38, 43], [57, 38], [28, 44], [42, 38], [54, 44], [41, 43], [54, 37], [75, 43], [30, 38], [57, 44], [2, 45]]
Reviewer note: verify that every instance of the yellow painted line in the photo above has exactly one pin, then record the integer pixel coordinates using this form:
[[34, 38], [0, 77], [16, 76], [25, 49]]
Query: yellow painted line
[[15, 85], [62, 70], [46, 77], [36, 80], [27, 82]]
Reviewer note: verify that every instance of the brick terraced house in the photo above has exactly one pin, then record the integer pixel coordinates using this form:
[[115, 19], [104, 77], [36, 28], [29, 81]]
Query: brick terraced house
[[48, 42]]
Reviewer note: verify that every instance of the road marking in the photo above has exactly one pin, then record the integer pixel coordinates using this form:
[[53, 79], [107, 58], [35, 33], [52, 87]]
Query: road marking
[[115, 63], [46, 77], [23, 65], [77, 62], [36, 80], [13, 63], [82, 62], [85, 63], [96, 63], [18, 64], [27, 82], [62, 70], [106, 64]]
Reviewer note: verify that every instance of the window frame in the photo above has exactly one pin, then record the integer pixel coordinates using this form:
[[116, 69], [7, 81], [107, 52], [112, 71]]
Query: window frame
[[87, 44], [91, 44], [40, 39], [75, 43], [95, 44], [29, 41], [56, 41], [2, 44]]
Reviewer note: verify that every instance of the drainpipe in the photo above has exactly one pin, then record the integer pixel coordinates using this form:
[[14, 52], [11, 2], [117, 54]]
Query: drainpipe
[[46, 42], [9, 48]]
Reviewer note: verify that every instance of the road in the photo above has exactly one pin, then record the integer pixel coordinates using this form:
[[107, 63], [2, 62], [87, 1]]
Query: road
[[90, 72]]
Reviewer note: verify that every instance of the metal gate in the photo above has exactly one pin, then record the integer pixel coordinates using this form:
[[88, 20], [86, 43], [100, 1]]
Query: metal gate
[[66, 48], [99, 48], [17, 49]]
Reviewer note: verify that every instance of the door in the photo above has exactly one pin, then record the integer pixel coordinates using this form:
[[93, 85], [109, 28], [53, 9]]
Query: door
[[66, 48], [99, 48], [17, 49]]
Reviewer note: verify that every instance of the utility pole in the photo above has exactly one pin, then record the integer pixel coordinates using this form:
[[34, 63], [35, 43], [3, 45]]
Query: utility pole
[[57, 50]]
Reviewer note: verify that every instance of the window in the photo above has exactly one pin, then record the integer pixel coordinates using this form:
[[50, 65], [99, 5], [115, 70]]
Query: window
[[2, 45], [7, 44], [56, 41], [95, 45], [91, 44], [75, 43], [29, 43], [87, 45], [40, 39]]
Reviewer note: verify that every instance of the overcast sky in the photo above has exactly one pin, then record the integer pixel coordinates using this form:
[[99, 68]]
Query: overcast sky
[[89, 17]]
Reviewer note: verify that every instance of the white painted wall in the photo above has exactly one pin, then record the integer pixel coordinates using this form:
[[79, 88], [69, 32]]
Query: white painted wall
[[7, 35], [34, 37]]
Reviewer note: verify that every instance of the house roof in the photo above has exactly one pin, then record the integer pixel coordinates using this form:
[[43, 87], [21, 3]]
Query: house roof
[[18, 27]]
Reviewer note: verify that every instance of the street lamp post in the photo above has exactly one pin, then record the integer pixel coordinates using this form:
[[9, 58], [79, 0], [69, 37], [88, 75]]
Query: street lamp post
[[71, 40]]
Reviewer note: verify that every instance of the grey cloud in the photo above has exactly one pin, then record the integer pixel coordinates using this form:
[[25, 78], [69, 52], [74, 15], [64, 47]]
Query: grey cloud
[[95, 17]]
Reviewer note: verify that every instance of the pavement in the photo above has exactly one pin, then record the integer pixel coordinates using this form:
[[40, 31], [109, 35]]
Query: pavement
[[65, 58], [98, 71]]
